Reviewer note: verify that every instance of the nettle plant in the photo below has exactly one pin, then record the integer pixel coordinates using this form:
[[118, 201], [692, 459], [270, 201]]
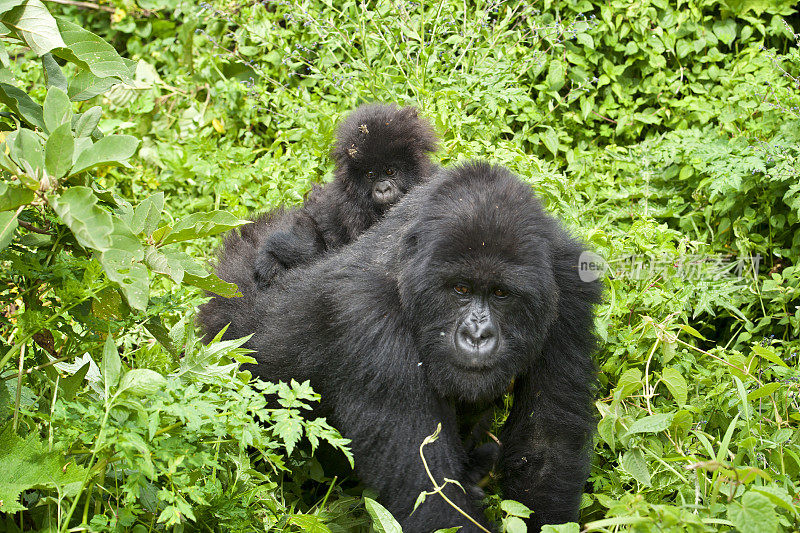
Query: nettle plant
[[86, 440]]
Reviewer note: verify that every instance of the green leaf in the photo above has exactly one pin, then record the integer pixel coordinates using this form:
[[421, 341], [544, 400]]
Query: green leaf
[[633, 463], [725, 30], [13, 196], [53, 75], [88, 121], [8, 5], [142, 382], [147, 214], [651, 424], [58, 151], [691, 331], [27, 464], [111, 366], [198, 225], [28, 148], [513, 524], [676, 384], [57, 109], [21, 105], [35, 26], [766, 390], [121, 264], [778, 496], [8, 225], [111, 150], [550, 140], [91, 225], [91, 52], [569, 527], [514, 508], [755, 514], [84, 85], [769, 354], [555, 76], [382, 519]]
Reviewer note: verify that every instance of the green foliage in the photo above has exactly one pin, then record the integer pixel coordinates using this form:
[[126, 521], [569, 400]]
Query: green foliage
[[665, 134]]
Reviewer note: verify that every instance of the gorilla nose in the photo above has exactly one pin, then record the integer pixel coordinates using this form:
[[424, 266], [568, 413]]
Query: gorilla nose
[[383, 187], [385, 192], [476, 339]]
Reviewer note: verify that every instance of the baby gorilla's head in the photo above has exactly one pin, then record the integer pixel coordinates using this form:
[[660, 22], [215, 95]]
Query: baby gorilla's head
[[381, 151]]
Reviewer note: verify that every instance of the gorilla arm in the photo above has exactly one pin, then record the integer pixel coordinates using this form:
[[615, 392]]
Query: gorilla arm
[[548, 435]]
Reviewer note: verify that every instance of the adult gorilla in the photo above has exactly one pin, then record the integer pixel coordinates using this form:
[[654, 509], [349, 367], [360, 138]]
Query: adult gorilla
[[466, 287]]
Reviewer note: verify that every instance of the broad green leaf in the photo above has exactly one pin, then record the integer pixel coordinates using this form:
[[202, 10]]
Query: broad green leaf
[[768, 353], [27, 464], [53, 75], [515, 508], [606, 428], [8, 225], [57, 109], [87, 121], [633, 463], [778, 496], [78, 209], [725, 30], [13, 196], [58, 151], [550, 140], [382, 519], [28, 148], [34, 25], [212, 283], [85, 85], [514, 524], [676, 384], [8, 5], [198, 225], [651, 424], [766, 390], [147, 214], [111, 150], [142, 381], [555, 76], [71, 384], [121, 264], [630, 381], [755, 514], [111, 365], [91, 52], [569, 527]]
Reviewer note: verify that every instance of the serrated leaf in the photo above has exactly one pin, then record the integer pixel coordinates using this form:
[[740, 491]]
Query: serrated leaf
[[53, 75], [88, 121], [35, 26], [122, 267], [382, 519], [57, 109], [13, 196], [147, 214], [754, 514], [142, 381], [634, 464], [289, 429], [651, 424], [674, 381], [199, 225], [111, 150], [27, 464], [8, 225], [58, 151], [91, 52], [111, 365], [21, 105], [91, 225]]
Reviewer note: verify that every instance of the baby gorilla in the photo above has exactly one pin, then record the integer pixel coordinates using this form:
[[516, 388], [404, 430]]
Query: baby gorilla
[[380, 152], [465, 289]]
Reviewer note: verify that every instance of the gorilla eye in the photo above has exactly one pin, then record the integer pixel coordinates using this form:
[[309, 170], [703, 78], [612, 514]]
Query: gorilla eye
[[500, 293], [370, 174], [461, 289], [390, 171]]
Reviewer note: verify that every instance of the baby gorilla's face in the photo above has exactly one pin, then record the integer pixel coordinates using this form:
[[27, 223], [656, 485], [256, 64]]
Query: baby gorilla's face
[[388, 183]]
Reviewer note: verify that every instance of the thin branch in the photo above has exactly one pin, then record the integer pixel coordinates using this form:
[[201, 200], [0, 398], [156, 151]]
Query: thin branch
[[83, 5]]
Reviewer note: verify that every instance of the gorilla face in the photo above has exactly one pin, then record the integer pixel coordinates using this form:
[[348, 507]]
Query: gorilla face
[[389, 182], [482, 296]]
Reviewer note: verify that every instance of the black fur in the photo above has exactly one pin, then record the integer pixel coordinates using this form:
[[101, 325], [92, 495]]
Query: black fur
[[380, 152], [466, 286]]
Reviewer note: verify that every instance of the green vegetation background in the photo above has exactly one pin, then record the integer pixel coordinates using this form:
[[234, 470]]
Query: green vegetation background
[[667, 134]]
